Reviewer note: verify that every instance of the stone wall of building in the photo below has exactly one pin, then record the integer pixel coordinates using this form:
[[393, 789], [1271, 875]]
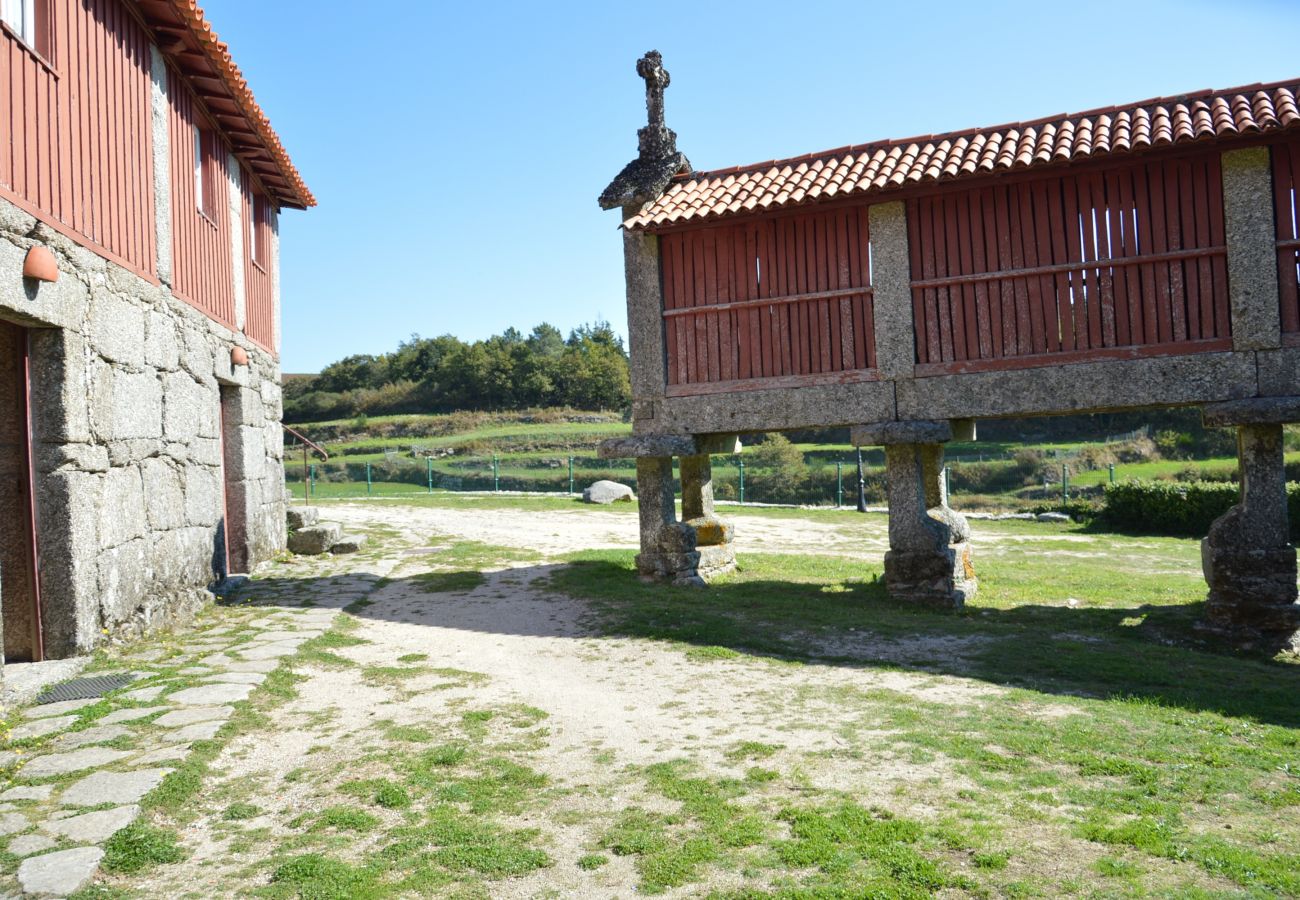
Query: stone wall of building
[[127, 393]]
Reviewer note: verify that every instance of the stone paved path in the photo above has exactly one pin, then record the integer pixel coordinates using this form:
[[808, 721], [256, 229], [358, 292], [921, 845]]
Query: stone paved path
[[77, 771]]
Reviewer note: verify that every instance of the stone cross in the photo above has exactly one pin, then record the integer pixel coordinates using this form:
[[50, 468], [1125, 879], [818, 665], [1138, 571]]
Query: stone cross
[[650, 67]]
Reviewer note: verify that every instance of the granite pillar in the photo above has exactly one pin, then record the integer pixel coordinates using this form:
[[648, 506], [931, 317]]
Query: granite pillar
[[1248, 560]]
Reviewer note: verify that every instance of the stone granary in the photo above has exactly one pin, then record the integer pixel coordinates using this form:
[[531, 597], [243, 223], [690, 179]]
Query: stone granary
[[140, 436], [1138, 256]]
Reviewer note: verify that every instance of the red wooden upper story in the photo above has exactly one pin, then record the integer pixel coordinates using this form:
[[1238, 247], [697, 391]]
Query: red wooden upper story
[[79, 148], [1099, 236]]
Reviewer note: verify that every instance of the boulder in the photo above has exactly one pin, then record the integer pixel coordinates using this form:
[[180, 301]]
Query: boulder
[[301, 517], [315, 539], [1053, 517], [607, 492]]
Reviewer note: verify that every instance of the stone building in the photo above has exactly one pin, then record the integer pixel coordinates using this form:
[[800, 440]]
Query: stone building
[[140, 438], [1138, 256]]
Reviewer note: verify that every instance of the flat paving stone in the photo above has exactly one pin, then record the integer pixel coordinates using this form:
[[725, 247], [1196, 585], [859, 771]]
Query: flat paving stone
[[41, 727], [237, 678], [175, 753], [27, 844], [268, 651], [253, 665], [28, 792], [211, 694], [12, 821], [194, 670], [72, 761], [113, 787], [100, 734], [200, 731], [59, 874], [188, 716], [130, 715], [93, 827], [45, 710], [144, 695], [217, 661]]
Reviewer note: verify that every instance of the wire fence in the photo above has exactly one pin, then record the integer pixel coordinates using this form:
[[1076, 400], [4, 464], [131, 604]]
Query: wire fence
[[987, 480]]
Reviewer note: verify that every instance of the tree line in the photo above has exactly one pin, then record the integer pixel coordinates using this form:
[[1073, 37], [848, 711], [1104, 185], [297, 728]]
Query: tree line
[[508, 371]]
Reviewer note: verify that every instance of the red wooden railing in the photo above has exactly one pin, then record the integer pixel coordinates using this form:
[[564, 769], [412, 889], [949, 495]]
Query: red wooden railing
[[1115, 262], [783, 299], [1286, 181]]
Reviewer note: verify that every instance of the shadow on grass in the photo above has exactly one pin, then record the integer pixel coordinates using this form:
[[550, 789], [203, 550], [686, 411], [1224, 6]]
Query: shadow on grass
[[1135, 650]]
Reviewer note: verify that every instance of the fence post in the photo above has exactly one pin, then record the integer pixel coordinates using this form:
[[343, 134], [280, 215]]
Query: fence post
[[496, 474], [311, 482], [1112, 472], [429, 465], [742, 481], [1065, 484], [839, 484], [947, 483], [369, 487], [570, 476], [862, 485]]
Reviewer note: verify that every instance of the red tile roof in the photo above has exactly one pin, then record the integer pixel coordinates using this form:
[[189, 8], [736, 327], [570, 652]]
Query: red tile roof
[[877, 167], [186, 38]]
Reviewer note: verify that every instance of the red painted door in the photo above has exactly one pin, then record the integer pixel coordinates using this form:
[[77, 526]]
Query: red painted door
[[19, 583]]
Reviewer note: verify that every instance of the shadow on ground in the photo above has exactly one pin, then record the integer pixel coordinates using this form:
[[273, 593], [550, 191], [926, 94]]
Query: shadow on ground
[[1142, 652]]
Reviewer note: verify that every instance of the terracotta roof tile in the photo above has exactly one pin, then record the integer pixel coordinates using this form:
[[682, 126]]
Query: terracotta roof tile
[[189, 13], [881, 166]]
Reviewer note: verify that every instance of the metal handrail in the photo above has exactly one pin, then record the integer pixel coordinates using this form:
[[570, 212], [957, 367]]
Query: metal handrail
[[324, 457], [317, 448]]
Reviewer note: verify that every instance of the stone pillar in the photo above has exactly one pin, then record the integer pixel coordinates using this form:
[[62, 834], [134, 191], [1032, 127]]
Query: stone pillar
[[892, 291], [713, 553], [656, 506], [1248, 559], [1252, 258], [160, 124], [929, 557], [645, 324]]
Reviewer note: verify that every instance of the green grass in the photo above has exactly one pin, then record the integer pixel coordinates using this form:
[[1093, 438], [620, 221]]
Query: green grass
[[140, 846]]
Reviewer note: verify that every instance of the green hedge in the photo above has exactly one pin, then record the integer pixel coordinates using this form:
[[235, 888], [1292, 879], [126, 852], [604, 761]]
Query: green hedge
[[1177, 508]]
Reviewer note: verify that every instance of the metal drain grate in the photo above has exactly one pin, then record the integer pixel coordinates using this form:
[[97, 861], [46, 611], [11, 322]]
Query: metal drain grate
[[83, 688]]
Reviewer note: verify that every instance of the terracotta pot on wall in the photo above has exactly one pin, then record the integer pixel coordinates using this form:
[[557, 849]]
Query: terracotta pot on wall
[[238, 356], [41, 265]]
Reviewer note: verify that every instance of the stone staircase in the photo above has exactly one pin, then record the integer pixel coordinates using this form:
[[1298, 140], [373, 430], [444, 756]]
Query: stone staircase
[[309, 536]]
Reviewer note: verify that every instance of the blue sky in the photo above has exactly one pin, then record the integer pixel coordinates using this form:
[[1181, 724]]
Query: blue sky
[[457, 150]]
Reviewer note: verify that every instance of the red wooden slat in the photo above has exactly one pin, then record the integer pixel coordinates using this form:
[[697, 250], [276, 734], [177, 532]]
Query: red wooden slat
[[1115, 249], [667, 251], [939, 234], [1092, 289], [1062, 224], [1159, 244], [978, 263], [952, 264], [1014, 326], [1151, 286], [970, 307], [713, 349], [1285, 159], [989, 263], [1219, 265], [920, 324], [1173, 236], [864, 339], [1187, 228], [1105, 278], [1029, 245]]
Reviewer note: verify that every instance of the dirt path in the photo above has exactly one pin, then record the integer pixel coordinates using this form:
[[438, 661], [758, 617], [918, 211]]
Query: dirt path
[[608, 707]]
